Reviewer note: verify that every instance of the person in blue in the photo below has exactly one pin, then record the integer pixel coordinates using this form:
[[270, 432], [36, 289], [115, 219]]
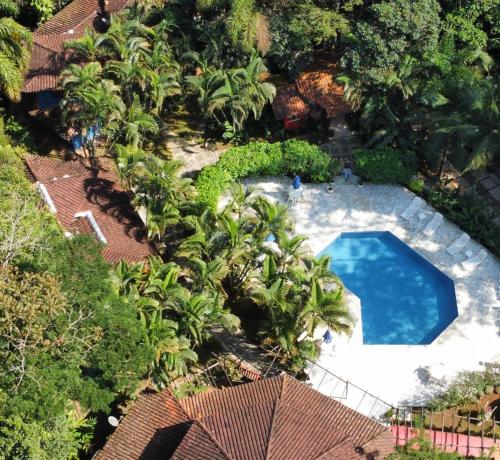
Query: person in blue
[[296, 184], [347, 171]]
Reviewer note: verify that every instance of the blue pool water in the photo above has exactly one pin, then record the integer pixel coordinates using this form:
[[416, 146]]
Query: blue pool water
[[404, 298]]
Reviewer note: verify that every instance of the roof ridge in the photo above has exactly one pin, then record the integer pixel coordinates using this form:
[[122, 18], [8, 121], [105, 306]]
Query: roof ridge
[[198, 421], [275, 413]]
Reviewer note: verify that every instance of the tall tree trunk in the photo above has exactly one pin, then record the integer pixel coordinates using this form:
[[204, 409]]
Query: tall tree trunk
[[443, 160]]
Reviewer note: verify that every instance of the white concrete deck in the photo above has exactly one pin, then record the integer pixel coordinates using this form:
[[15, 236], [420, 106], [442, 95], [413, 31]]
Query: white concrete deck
[[391, 372]]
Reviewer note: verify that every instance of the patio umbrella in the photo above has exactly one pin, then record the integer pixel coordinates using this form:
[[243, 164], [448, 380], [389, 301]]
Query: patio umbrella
[[327, 336]]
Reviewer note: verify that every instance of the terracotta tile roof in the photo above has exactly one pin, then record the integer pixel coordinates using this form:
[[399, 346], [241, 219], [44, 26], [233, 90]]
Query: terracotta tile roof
[[312, 87], [75, 189], [288, 102], [154, 427], [320, 88], [200, 445], [47, 56], [275, 418]]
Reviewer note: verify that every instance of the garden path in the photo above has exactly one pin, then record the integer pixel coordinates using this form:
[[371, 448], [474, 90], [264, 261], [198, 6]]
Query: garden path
[[189, 148]]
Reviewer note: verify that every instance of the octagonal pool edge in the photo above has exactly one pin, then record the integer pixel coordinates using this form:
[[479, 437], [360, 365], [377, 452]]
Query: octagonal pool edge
[[405, 299]]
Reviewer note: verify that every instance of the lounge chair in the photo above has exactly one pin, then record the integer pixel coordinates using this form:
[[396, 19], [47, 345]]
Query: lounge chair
[[458, 244], [434, 224], [474, 261], [412, 208]]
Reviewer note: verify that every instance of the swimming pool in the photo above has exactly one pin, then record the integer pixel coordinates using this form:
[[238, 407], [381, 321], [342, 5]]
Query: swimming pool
[[404, 298]]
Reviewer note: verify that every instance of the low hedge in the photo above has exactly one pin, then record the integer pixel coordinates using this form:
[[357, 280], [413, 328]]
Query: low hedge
[[385, 165], [262, 159]]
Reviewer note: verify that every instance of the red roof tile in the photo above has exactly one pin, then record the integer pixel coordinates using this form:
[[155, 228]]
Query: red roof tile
[[275, 418], [320, 88], [312, 87], [154, 427], [75, 189], [289, 103], [47, 56], [200, 445]]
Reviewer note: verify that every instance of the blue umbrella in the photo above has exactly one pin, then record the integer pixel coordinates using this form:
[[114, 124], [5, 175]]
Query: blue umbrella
[[296, 182], [327, 336]]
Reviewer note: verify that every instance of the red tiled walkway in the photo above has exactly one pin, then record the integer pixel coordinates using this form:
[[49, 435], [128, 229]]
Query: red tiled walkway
[[472, 446]]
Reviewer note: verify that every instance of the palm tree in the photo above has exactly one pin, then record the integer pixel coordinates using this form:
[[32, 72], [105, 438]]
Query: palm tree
[[324, 308], [256, 92], [231, 96], [172, 351], [76, 77], [134, 126], [128, 159], [131, 76], [244, 24], [125, 40], [15, 52], [84, 48], [90, 104], [465, 129], [158, 182]]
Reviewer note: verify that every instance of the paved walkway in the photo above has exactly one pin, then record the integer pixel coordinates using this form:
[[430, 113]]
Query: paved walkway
[[391, 371], [190, 151]]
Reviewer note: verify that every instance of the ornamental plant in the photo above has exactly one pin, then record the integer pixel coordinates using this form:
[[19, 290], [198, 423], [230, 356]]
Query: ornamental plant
[[385, 165], [262, 158]]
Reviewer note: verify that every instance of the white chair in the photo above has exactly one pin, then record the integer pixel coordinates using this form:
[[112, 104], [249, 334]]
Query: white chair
[[434, 224], [474, 261], [412, 208], [458, 244]]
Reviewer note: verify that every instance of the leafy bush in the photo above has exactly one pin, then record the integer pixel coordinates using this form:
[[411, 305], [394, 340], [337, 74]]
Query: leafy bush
[[469, 214], [467, 387], [19, 135], [416, 185], [421, 448], [385, 165], [263, 158]]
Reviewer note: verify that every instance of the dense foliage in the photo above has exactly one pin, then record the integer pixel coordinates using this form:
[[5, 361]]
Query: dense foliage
[[262, 158], [73, 339], [468, 387], [67, 339], [385, 165], [213, 262], [468, 213]]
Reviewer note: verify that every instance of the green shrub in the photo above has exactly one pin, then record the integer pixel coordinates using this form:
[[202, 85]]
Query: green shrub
[[416, 185], [467, 387], [469, 214], [385, 165], [263, 158], [19, 134]]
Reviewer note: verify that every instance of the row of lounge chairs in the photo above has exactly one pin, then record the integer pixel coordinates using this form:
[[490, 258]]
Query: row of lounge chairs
[[472, 261]]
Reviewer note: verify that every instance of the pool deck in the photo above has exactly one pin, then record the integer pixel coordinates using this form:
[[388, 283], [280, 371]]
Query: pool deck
[[399, 373]]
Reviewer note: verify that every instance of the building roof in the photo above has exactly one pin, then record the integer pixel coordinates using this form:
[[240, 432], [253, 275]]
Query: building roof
[[92, 202], [289, 103], [312, 87], [320, 88], [274, 418], [48, 58]]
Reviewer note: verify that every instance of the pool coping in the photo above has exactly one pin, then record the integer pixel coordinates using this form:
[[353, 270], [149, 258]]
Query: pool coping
[[414, 252]]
